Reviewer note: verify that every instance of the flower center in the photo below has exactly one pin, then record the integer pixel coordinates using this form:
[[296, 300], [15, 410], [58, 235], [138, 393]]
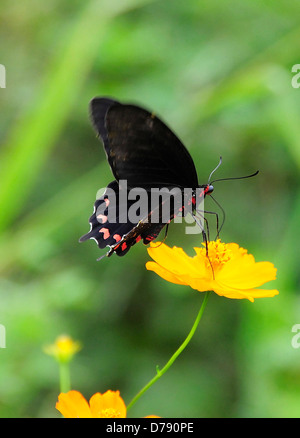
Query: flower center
[[218, 254], [109, 413]]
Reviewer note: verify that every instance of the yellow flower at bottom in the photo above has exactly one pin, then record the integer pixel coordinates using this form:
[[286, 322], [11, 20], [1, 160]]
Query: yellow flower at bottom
[[63, 348], [108, 405], [228, 269]]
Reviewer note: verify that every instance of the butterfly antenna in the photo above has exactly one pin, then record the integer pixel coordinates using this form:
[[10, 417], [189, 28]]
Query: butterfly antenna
[[238, 177], [213, 171]]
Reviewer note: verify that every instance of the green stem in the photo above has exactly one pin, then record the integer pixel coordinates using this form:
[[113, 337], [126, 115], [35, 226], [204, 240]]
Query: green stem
[[64, 376], [159, 373]]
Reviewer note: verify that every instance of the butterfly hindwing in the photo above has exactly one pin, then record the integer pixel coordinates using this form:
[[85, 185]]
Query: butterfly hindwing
[[143, 231], [111, 227], [109, 221]]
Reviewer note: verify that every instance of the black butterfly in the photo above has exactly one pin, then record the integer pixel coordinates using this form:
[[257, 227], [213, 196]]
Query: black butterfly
[[145, 153]]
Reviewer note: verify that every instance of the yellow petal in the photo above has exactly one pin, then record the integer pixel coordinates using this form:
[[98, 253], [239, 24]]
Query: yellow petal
[[244, 273], [173, 259], [201, 284], [73, 405], [163, 273], [250, 294], [261, 293]]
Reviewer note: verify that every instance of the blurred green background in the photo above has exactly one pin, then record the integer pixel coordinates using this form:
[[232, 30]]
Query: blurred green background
[[219, 73]]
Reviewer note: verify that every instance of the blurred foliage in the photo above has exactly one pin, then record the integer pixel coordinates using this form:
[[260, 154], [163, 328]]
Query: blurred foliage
[[219, 73]]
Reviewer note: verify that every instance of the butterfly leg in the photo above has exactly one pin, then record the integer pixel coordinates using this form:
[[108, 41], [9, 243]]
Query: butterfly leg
[[206, 245], [166, 233], [217, 221], [107, 254], [202, 228], [205, 239], [224, 215]]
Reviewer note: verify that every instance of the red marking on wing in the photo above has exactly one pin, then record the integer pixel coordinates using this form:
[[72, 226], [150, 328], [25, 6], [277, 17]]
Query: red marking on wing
[[105, 232], [117, 237], [107, 202], [149, 238], [138, 239], [124, 246]]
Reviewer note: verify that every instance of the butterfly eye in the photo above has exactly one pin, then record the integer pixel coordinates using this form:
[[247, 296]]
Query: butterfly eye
[[209, 189]]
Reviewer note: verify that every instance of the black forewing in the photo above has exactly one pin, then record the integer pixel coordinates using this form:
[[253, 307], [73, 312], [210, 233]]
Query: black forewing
[[140, 148]]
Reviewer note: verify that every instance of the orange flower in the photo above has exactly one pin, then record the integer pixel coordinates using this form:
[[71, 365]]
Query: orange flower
[[228, 270], [107, 405]]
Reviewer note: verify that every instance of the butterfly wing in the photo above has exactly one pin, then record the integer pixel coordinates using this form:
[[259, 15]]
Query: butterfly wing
[[110, 225], [142, 231], [140, 148], [109, 221]]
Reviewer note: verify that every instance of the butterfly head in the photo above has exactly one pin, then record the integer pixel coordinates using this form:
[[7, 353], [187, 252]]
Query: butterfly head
[[208, 189]]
